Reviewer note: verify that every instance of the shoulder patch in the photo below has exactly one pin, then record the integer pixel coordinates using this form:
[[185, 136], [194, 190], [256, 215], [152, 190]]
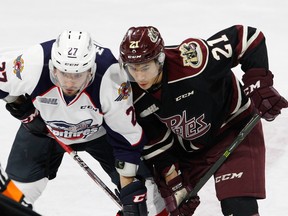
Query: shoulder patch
[[124, 91], [194, 53], [18, 66], [189, 60]]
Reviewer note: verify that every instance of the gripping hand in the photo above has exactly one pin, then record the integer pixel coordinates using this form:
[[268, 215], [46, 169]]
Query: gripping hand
[[258, 85], [24, 110], [174, 193], [133, 198]]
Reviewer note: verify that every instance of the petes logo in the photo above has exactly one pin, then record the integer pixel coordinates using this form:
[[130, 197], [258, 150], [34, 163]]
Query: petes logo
[[18, 66], [188, 129], [73, 131], [124, 91], [191, 54]]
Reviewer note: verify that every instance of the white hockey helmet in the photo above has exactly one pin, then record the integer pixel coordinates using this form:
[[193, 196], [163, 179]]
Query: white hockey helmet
[[73, 52]]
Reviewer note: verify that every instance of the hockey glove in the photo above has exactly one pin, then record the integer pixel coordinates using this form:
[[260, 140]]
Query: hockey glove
[[25, 111], [174, 193], [133, 198], [258, 85]]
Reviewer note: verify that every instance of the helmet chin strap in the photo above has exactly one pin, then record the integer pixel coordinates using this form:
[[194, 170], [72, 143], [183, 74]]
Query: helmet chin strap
[[88, 81]]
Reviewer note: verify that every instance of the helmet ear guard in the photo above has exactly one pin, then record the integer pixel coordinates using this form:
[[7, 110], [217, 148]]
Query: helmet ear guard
[[53, 78], [161, 58]]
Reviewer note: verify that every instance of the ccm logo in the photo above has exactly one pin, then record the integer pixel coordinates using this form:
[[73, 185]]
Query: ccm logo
[[252, 87], [228, 176], [139, 198], [188, 94]]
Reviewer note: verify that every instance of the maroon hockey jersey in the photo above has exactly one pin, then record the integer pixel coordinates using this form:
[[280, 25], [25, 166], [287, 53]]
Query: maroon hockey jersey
[[200, 96]]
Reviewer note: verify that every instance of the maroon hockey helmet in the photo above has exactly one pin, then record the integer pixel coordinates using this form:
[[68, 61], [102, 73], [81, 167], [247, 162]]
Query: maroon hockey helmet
[[142, 44]]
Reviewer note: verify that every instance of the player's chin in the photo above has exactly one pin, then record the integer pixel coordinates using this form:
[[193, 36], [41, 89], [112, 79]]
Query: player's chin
[[70, 92], [144, 86]]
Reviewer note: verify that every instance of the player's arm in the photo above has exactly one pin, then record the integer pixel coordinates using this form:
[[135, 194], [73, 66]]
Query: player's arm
[[18, 77], [246, 46], [127, 138], [258, 79], [169, 179], [20, 72]]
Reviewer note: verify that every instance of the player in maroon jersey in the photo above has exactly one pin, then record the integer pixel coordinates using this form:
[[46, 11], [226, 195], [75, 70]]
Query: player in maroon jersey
[[192, 106]]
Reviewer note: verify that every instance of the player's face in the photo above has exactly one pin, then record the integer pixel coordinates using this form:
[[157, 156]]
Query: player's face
[[71, 83], [145, 74]]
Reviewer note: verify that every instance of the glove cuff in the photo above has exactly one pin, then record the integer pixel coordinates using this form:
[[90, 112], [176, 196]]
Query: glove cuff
[[258, 74], [177, 193]]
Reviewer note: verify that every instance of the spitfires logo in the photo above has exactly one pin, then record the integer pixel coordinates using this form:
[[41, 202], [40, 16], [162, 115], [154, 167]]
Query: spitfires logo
[[73, 131], [18, 66], [124, 91], [191, 53]]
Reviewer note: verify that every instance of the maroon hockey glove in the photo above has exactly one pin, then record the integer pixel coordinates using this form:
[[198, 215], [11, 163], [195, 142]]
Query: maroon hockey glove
[[133, 198], [174, 193], [258, 85]]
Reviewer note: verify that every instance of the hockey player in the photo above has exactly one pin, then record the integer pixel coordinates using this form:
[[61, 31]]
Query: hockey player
[[73, 87], [191, 90]]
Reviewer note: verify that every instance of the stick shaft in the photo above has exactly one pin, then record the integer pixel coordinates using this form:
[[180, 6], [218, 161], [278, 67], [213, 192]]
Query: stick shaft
[[87, 169], [240, 137]]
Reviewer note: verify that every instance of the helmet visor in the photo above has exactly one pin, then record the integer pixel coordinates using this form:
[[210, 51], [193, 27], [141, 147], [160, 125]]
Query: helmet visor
[[70, 83], [145, 74]]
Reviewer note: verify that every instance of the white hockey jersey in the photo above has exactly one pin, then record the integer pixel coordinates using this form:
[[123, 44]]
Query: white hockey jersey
[[105, 106]]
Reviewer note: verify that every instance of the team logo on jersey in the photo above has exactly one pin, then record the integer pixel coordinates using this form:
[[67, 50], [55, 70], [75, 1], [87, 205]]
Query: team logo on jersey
[[70, 131], [191, 54], [188, 129], [124, 91], [18, 66]]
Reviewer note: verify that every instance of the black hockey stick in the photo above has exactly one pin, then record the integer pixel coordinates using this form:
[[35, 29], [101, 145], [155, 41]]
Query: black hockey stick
[[87, 169], [240, 137]]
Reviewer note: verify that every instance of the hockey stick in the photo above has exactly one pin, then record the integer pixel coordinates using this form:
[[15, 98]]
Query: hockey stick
[[239, 138], [87, 169]]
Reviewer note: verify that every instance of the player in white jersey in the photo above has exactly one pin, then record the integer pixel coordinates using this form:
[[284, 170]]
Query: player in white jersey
[[74, 87]]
